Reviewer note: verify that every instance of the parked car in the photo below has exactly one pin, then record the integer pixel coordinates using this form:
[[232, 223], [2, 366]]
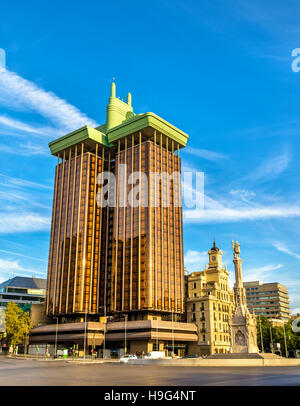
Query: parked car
[[155, 355], [126, 358], [294, 354]]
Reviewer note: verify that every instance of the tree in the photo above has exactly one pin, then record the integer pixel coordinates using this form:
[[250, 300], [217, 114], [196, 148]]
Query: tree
[[17, 324], [264, 328], [292, 338]]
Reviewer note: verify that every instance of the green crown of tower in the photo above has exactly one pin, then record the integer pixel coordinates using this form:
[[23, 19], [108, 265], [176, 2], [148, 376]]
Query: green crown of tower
[[120, 122]]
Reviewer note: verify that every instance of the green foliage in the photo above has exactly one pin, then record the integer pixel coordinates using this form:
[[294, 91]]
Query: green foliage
[[17, 324], [263, 330], [292, 339]]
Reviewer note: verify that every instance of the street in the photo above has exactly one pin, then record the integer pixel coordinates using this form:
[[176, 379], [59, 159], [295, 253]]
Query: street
[[56, 373]]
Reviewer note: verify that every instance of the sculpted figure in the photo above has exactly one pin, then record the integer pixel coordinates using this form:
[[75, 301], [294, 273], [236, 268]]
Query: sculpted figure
[[236, 249]]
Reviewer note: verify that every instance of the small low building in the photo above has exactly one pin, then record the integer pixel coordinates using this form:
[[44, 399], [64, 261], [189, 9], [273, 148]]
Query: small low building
[[23, 291], [117, 338]]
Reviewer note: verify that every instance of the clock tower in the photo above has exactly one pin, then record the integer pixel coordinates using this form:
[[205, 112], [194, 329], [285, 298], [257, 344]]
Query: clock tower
[[215, 257]]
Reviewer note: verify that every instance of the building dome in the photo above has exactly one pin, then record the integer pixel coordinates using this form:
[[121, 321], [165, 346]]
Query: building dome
[[215, 248]]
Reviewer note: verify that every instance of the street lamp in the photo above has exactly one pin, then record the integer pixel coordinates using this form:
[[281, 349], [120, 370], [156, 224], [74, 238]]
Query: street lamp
[[173, 333], [55, 347], [261, 336], [84, 342], [126, 319], [157, 345], [104, 334], [272, 346], [285, 345]]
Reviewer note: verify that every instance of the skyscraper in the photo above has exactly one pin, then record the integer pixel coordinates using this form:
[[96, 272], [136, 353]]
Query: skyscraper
[[121, 257]]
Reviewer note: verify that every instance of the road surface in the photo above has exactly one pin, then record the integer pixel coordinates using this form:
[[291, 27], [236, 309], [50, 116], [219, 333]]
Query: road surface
[[56, 373]]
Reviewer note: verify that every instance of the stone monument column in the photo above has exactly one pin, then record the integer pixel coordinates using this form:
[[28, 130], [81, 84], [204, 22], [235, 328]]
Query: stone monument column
[[242, 324]]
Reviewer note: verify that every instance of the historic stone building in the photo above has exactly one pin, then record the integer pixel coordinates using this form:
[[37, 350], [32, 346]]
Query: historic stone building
[[209, 304]]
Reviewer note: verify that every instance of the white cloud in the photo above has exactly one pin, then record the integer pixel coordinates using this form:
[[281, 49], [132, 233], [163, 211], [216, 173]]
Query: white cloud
[[8, 267], [195, 260], [229, 209], [23, 127], [228, 214], [280, 246], [19, 92], [272, 167], [242, 193], [18, 182], [22, 149], [11, 222], [205, 154], [23, 256], [263, 273]]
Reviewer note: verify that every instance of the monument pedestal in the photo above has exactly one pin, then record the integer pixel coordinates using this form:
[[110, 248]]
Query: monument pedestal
[[243, 331], [242, 323]]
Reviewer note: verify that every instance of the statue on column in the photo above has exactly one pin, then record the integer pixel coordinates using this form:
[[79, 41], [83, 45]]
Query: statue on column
[[242, 323], [236, 249]]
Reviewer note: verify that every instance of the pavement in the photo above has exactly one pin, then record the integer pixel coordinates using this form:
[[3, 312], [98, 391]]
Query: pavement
[[30, 372]]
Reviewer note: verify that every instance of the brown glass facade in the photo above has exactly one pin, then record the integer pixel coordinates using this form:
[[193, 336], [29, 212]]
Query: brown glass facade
[[128, 258], [147, 263], [77, 259]]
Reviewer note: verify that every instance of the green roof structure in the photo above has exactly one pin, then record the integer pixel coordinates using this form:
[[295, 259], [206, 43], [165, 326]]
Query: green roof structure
[[120, 122]]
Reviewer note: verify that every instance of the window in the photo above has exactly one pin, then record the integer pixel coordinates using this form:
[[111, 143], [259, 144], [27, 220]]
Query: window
[[155, 346]]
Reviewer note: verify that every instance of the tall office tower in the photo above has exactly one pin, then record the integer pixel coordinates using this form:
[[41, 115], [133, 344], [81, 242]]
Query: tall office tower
[[78, 239], [126, 257], [147, 268]]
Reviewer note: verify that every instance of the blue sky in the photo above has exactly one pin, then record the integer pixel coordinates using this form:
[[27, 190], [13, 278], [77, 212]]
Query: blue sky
[[219, 71]]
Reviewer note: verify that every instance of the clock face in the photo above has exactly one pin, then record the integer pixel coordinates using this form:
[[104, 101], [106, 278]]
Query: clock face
[[213, 258]]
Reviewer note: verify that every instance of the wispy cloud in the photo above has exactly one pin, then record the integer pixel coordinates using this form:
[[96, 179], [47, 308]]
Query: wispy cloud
[[16, 182], [21, 93], [25, 150], [263, 273], [243, 194], [23, 256], [205, 154], [25, 205], [23, 127], [272, 167], [219, 212], [13, 267], [11, 222], [280, 246], [195, 260]]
